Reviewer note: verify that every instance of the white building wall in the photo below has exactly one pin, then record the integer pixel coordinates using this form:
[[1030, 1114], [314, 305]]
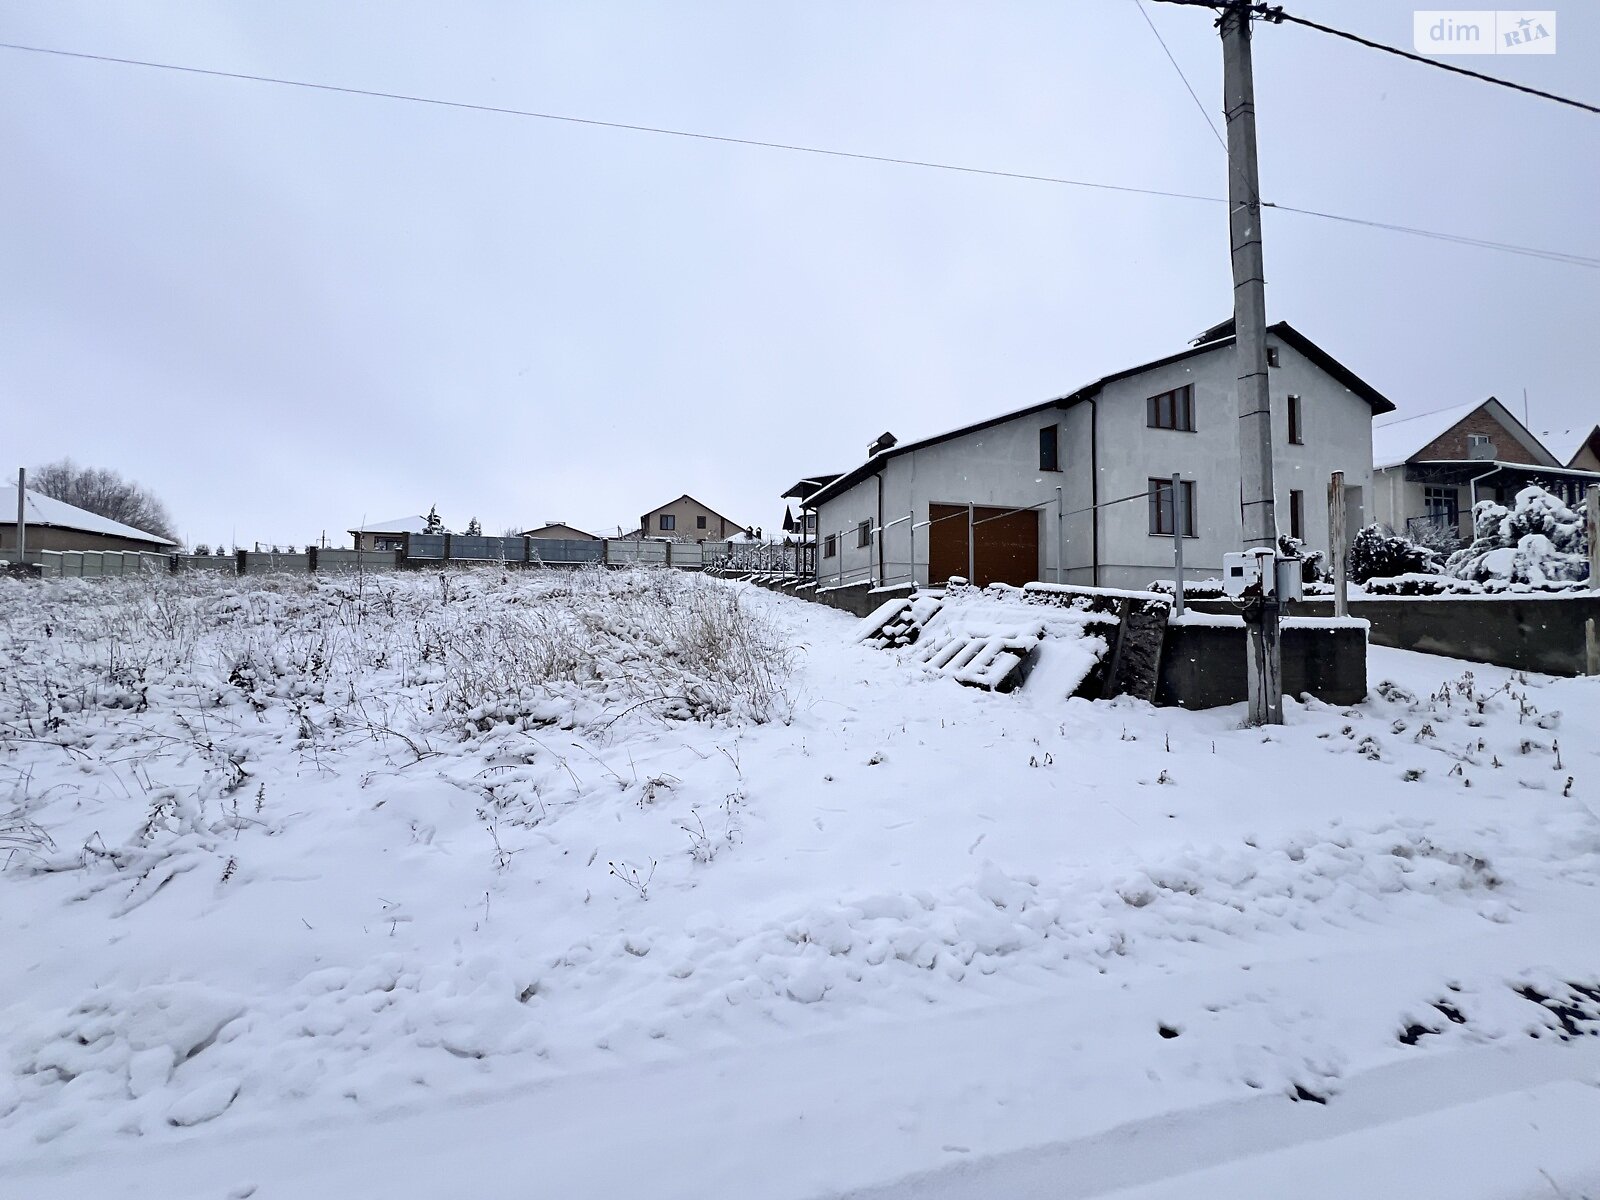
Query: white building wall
[[1336, 427], [998, 467]]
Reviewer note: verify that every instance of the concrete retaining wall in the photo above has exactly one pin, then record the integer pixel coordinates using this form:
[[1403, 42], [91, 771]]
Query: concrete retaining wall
[[1203, 665], [1526, 633]]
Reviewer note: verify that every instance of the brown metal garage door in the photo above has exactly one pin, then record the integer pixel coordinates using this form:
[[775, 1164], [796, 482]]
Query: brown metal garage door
[[1007, 544]]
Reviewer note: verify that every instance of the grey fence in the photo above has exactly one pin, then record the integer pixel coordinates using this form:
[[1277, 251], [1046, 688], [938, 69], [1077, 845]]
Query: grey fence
[[78, 564], [420, 550]]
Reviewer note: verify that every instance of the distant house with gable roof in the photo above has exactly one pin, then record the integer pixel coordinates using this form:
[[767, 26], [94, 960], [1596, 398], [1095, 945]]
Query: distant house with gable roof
[[56, 525]]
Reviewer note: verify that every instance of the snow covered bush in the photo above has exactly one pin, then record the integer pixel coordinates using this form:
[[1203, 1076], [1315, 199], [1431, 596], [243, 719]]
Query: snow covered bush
[[1538, 541], [1375, 554]]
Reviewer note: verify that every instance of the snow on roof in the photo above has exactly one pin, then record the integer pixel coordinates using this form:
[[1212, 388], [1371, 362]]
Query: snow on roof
[[1394, 443], [43, 510], [1565, 443], [393, 525]]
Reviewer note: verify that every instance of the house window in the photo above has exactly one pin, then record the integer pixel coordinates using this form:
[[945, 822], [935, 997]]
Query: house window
[[1171, 410], [1296, 433], [1162, 518], [1480, 446], [667, 522], [1297, 515], [1442, 505], [830, 545], [1272, 356], [699, 522], [1049, 445], [864, 534], [811, 522]]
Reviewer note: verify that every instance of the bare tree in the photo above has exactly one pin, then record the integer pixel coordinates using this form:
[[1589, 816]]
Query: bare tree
[[104, 492]]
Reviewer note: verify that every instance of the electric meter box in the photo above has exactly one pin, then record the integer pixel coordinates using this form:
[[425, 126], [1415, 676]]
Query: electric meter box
[[1290, 579], [1249, 574]]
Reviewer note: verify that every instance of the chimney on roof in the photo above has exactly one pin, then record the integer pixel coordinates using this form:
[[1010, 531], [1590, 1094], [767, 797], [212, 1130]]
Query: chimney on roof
[[884, 441]]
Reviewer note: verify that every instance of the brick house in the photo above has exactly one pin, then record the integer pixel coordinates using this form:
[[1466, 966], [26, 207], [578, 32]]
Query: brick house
[[1429, 470]]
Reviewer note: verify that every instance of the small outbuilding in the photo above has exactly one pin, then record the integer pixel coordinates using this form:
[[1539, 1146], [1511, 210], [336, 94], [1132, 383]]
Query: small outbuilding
[[56, 525]]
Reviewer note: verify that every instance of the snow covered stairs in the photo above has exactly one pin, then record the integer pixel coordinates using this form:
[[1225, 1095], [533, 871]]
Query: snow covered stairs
[[990, 637]]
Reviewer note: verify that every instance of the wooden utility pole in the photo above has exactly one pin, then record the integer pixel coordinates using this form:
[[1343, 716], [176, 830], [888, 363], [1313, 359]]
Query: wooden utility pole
[[1178, 524], [1265, 662], [22, 513], [1336, 545]]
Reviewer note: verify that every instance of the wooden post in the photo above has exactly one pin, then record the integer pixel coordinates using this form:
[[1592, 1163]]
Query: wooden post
[[911, 548], [972, 551], [1177, 544], [1061, 536], [21, 514], [1592, 508], [1591, 639], [1337, 544]]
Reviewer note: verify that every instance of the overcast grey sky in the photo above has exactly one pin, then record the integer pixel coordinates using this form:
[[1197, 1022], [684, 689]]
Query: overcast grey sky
[[284, 310]]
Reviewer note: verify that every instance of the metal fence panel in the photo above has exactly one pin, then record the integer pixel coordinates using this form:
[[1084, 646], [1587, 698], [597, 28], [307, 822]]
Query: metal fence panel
[[480, 549], [226, 563], [257, 563], [425, 545], [564, 550], [338, 562]]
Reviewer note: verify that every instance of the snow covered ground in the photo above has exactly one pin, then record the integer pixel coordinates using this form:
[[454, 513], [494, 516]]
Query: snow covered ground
[[645, 883]]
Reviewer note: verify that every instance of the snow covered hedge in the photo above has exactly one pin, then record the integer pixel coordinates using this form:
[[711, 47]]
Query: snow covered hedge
[[1377, 554]]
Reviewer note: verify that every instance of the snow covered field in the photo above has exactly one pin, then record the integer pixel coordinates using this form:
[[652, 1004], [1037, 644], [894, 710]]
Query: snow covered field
[[651, 884]]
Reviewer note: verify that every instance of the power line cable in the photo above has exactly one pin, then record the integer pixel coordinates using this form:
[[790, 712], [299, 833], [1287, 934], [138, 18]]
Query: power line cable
[[1277, 14], [1274, 14], [595, 122], [1561, 256], [1215, 132]]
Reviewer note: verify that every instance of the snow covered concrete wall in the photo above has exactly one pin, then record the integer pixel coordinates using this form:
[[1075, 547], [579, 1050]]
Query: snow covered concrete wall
[[1203, 662], [1527, 633]]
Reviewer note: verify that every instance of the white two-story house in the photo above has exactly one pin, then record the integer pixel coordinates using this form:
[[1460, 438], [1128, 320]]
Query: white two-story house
[[1079, 490]]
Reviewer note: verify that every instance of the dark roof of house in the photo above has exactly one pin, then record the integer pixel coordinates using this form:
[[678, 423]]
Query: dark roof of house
[[1215, 338]]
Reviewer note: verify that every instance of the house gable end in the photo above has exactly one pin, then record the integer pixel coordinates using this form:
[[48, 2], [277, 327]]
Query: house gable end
[[1512, 442]]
